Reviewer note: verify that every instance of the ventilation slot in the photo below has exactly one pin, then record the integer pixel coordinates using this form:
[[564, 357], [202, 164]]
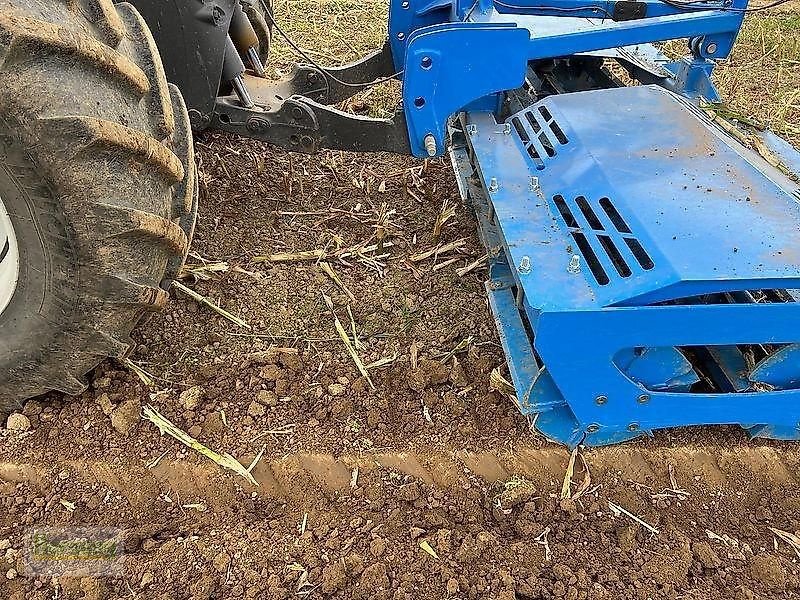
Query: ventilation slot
[[554, 127], [640, 253], [534, 154], [547, 145], [587, 211], [615, 217], [586, 223], [616, 258], [523, 135], [540, 134], [534, 123], [566, 213], [591, 258]]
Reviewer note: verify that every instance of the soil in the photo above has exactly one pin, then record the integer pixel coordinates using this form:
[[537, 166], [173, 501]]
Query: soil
[[429, 485]]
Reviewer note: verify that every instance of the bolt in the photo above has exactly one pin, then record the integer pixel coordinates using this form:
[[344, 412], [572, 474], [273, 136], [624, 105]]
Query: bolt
[[430, 144], [472, 129], [711, 48], [643, 399], [524, 265], [217, 15], [493, 185], [405, 5], [401, 35], [633, 427], [312, 77], [600, 400], [574, 265], [297, 113], [593, 428], [257, 125], [196, 118]]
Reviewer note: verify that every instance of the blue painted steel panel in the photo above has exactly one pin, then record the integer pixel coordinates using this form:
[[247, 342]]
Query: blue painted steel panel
[[709, 217], [600, 334], [708, 220]]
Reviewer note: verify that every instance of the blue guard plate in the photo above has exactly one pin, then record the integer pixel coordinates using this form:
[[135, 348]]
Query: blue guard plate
[[608, 203]]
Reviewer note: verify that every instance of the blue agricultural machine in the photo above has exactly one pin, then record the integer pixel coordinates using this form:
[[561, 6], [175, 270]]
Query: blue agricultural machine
[[644, 261]]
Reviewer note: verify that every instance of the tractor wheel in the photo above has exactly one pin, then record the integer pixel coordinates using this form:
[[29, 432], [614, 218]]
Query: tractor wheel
[[260, 14], [98, 189]]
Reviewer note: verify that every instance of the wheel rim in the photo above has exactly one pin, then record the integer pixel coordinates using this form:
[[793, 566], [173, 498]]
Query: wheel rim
[[9, 259]]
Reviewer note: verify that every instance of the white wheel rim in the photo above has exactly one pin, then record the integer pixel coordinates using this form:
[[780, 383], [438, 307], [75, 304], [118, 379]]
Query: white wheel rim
[[9, 259]]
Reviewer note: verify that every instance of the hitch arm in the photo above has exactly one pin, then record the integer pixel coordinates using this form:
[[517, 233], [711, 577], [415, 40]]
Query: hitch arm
[[298, 123]]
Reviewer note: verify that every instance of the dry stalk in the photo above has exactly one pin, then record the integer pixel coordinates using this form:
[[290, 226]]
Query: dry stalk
[[472, 266], [618, 510], [347, 342], [541, 539], [789, 538], [328, 270], [206, 302], [566, 485], [224, 460], [445, 214], [439, 250]]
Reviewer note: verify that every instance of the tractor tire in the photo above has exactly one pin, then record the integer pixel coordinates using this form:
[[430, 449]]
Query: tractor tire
[[97, 176], [261, 19]]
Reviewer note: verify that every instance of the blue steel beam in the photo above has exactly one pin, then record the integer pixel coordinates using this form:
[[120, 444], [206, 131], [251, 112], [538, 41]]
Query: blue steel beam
[[449, 66], [591, 339], [407, 16], [596, 9]]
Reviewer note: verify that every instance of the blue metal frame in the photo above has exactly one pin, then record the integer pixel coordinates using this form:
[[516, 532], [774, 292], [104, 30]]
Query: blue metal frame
[[711, 215], [643, 264], [453, 53]]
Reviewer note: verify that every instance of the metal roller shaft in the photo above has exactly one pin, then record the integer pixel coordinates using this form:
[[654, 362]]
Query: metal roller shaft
[[245, 39]]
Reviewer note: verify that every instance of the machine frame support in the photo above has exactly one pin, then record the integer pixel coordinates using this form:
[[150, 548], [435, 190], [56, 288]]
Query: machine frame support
[[431, 45], [293, 112]]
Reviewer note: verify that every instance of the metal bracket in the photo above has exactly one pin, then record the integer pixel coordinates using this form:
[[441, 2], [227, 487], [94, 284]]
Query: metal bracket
[[433, 86], [295, 112], [692, 78], [298, 123], [331, 85], [347, 80]]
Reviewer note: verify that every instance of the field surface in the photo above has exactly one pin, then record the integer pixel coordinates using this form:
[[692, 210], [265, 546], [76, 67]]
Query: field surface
[[423, 482]]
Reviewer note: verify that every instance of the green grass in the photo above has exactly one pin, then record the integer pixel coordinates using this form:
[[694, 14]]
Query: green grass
[[331, 31], [334, 32], [761, 79]]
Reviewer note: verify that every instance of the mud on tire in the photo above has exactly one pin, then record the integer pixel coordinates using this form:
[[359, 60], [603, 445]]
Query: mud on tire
[[97, 175]]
